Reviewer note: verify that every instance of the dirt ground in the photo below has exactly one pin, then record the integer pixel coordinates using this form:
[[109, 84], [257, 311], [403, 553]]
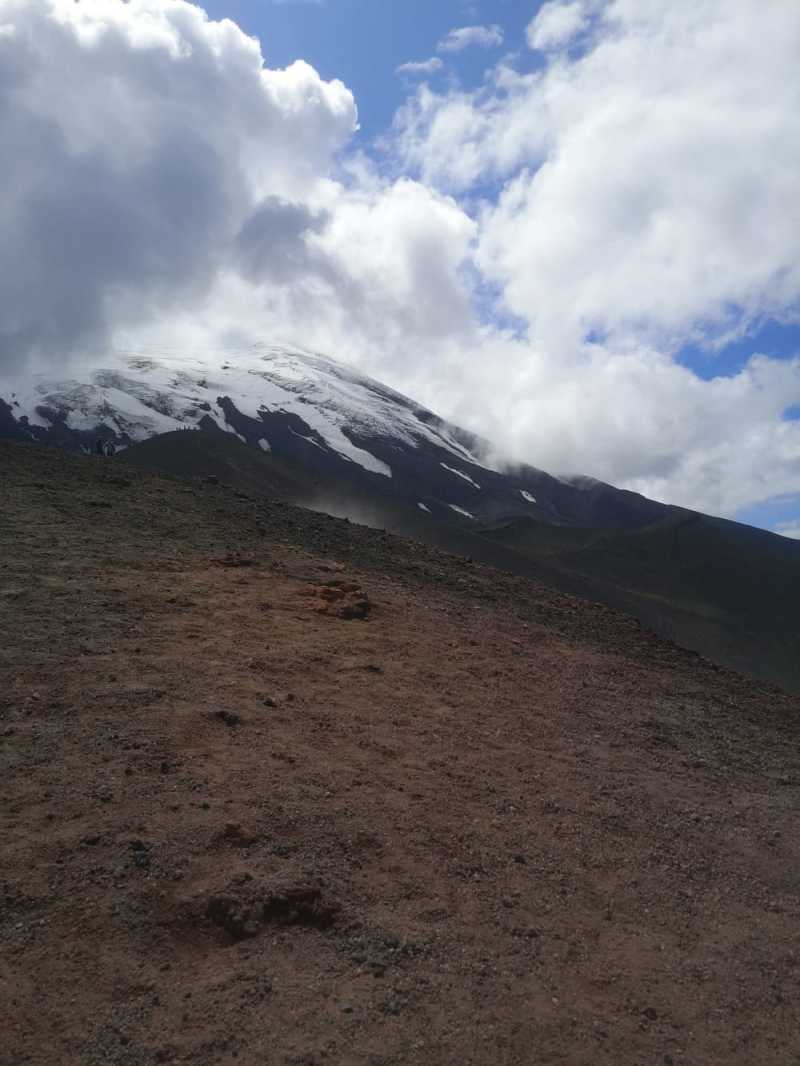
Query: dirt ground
[[486, 824]]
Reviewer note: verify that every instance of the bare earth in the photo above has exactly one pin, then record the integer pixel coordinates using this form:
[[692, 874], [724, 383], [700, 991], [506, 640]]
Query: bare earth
[[487, 824]]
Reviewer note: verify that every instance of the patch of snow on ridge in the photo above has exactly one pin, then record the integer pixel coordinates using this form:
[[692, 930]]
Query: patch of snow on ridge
[[23, 405], [342, 395], [264, 445], [302, 436], [460, 473], [84, 407], [347, 450], [527, 496], [422, 507], [289, 381], [460, 510]]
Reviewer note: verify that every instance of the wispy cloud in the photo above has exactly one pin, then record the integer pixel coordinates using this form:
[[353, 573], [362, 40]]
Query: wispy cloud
[[425, 66], [557, 24], [789, 529], [471, 37]]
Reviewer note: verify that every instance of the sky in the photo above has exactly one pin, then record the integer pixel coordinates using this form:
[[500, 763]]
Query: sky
[[363, 42], [572, 227]]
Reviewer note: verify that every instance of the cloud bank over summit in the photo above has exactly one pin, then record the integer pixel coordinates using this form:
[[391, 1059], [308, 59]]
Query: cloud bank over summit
[[160, 174], [529, 257], [139, 141]]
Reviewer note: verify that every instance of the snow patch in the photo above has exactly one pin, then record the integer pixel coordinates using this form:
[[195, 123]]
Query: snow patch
[[460, 510], [302, 436], [460, 473], [422, 507], [264, 445], [85, 407], [527, 496], [349, 452]]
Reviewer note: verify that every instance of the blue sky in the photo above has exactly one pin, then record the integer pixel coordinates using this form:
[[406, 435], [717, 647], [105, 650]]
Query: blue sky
[[362, 42], [778, 340]]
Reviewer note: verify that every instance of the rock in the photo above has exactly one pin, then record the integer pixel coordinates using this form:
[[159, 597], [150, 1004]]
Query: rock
[[340, 599], [13, 594], [237, 835], [244, 911], [325, 592], [356, 608], [230, 718], [233, 561], [141, 854]]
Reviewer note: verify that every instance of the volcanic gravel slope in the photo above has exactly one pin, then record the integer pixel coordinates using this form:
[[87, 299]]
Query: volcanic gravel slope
[[488, 823], [725, 590]]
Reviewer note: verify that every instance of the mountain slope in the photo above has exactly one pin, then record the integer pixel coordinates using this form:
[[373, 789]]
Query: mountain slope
[[727, 591], [313, 411], [296, 426], [239, 829]]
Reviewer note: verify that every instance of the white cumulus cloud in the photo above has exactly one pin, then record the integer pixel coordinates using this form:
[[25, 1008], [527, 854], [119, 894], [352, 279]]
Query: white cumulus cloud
[[421, 67], [557, 23], [471, 37], [138, 138]]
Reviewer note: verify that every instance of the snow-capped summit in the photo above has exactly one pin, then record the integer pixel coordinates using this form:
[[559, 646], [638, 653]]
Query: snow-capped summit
[[310, 409]]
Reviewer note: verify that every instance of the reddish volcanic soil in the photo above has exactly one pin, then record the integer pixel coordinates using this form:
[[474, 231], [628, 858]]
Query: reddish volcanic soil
[[487, 823]]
